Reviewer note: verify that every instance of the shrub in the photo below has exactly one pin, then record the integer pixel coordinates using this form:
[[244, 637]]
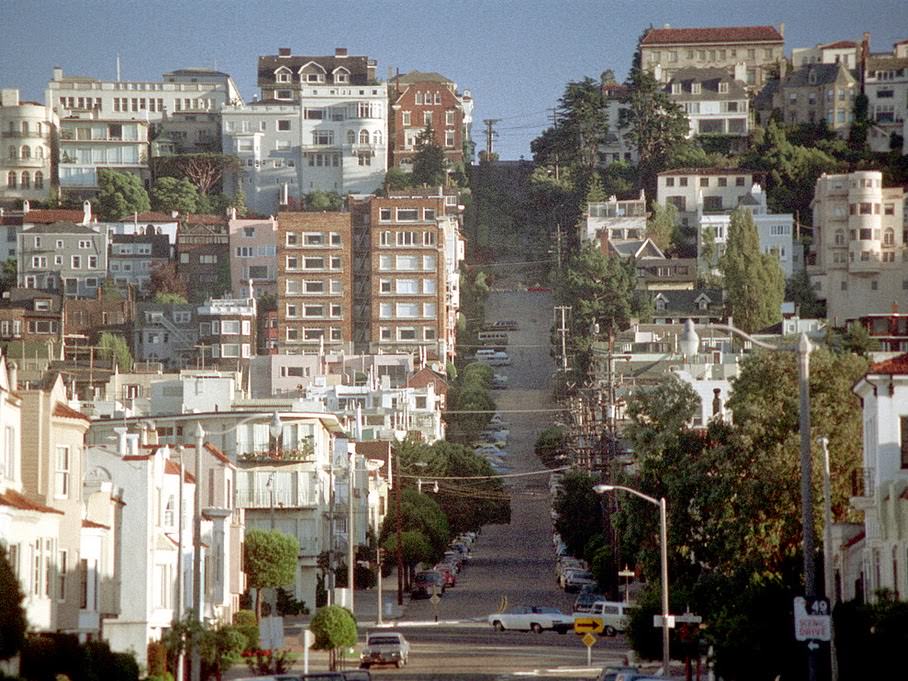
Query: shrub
[[247, 625]]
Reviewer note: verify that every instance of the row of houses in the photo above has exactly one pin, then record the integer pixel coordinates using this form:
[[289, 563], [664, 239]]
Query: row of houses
[[319, 123], [111, 502]]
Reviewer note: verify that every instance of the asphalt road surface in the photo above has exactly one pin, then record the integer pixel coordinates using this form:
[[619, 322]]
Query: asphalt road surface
[[515, 562]]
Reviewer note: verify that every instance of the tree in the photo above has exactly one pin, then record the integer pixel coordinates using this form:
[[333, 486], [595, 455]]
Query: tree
[[661, 227], [270, 561], [165, 279], [429, 162], [172, 194], [656, 125], [860, 126], [120, 194], [799, 290], [12, 615], [206, 171], [579, 511], [754, 280], [220, 646], [115, 348], [166, 298], [550, 446], [8, 276], [319, 201], [334, 628], [397, 179]]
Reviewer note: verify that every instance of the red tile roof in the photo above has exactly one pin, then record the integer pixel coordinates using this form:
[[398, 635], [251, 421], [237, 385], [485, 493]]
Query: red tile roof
[[217, 453], [172, 468], [45, 216], [202, 219], [424, 377], [63, 411], [727, 34], [897, 366], [151, 216], [93, 524], [16, 500], [138, 457], [840, 44]]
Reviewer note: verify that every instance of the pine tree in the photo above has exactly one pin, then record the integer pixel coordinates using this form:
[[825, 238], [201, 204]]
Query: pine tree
[[753, 280]]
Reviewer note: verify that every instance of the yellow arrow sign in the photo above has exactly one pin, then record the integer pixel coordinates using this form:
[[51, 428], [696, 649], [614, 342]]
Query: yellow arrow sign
[[584, 625]]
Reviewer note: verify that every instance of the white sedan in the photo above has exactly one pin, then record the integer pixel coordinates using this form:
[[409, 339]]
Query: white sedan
[[532, 618]]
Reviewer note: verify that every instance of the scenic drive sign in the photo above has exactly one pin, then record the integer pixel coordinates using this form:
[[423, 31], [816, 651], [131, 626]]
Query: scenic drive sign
[[812, 620]]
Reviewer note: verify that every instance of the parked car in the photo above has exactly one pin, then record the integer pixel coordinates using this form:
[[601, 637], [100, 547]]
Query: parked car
[[611, 673], [499, 359], [612, 615], [489, 450], [501, 325], [532, 618], [585, 600], [499, 382], [499, 337], [426, 583], [575, 580], [385, 647], [448, 573]]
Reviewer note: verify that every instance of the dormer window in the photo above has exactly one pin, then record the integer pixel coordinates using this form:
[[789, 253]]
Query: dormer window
[[660, 303], [723, 88], [676, 88], [312, 73], [283, 75], [341, 75], [812, 77], [695, 88]]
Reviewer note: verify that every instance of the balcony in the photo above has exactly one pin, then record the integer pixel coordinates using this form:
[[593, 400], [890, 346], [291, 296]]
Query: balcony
[[15, 134], [302, 497], [863, 494], [263, 452]]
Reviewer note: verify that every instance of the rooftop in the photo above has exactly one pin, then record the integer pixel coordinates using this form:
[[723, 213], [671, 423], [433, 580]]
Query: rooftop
[[727, 34]]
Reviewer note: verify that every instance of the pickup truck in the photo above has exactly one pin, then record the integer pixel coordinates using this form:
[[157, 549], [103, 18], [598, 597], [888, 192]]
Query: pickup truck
[[611, 616], [531, 618], [385, 647]]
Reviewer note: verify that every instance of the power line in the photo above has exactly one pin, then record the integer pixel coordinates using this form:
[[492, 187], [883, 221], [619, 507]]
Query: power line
[[545, 471], [503, 411]]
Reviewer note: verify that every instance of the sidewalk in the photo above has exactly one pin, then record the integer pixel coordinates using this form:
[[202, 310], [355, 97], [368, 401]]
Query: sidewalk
[[365, 606]]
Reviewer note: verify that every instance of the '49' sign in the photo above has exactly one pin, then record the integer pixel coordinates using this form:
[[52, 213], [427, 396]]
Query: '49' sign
[[812, 619]]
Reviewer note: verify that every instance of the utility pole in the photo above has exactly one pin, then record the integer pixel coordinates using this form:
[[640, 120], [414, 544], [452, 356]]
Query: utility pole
[[399, 549], [563, 331], [558, 245], [331, 529], [554, 111], [490, 135], [351, 553], [197, 553]]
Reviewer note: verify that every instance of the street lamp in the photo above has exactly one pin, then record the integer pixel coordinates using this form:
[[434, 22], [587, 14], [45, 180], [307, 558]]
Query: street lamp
[[689, 342], [663, 532]]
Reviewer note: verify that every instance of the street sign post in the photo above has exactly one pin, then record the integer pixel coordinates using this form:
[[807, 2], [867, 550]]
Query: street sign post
[[657, 621], [434, 600], [589, 640], [588, 625], [627, 574], [812, 620]]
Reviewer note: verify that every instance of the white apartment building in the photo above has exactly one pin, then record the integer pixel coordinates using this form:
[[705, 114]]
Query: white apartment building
[[883, 497], [775, 231], [27, 166], [858, 256], [715, 101], [178, 91], [617, 146], [454, 253], [704, 190]]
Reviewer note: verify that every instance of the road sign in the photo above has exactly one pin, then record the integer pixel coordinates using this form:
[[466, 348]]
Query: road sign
[[812, 619], [688, 618], [626, 573], [434, 600], [588, 639], [585, 625], [657, 621]]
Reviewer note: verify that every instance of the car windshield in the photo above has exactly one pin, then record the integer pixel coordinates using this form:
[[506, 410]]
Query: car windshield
[[582, 574], [548, 611], [383, 640]]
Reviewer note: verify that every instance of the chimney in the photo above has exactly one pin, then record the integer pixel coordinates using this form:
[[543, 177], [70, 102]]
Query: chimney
[[741, 71], [865, 55], [283, 52], [12, 374], [121, 440], [340, 52], [86, 212], [143, 434], [132, 444], [58, 73], [25, 207], [782, 29]]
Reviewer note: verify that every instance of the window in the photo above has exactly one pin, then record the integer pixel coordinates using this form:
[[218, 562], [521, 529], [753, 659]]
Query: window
[[384, 214], [682, 181], [407, 214], [313, 239], [407, 262], [293, 238], [428, 286], [406, 286], [39, 180], [384, 286], [696, 88], [428, 238], [669, 182], [704, 181], [407, 333], [313, 263], [429, 310], [903, 434], [385, 262], [385, 333], [406, 238], [61, 472], [428, 263], [337, 286], [11, 180], [739, 181], [406, 118], [313, 310], [723, 88]]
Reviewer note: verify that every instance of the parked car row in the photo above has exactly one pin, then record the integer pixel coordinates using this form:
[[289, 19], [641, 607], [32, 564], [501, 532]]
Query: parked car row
[[443, 575]]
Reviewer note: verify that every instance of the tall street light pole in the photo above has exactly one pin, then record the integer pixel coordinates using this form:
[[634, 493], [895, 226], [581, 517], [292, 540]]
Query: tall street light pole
[[689, 342], [663, 536], [197, 554]]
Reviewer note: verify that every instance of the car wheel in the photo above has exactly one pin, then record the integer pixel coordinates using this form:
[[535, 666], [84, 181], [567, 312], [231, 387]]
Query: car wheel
[[498, 625], [610, 631], [536, 628], [364, 666], [398, 664]]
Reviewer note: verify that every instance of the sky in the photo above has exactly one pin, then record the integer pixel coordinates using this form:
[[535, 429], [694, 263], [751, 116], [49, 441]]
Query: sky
[[514, 56]]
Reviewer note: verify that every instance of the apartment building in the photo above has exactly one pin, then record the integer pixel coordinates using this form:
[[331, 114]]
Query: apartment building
[[715, 101], [30, 320], [407, 276], [759, 48], [614, 219], [64, 257], [886, 87], [253, 256], [28, 132], [226, 332], [167, 333], [91, 143], [321, 125], [133, 257], [182, 90], [315, 282], [704, 190], [203, 256], [618, 145], [812, 94], [858, 255], [421, 100]]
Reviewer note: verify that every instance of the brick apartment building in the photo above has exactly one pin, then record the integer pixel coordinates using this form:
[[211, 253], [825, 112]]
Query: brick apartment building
[[203, 256], [314, 282]]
